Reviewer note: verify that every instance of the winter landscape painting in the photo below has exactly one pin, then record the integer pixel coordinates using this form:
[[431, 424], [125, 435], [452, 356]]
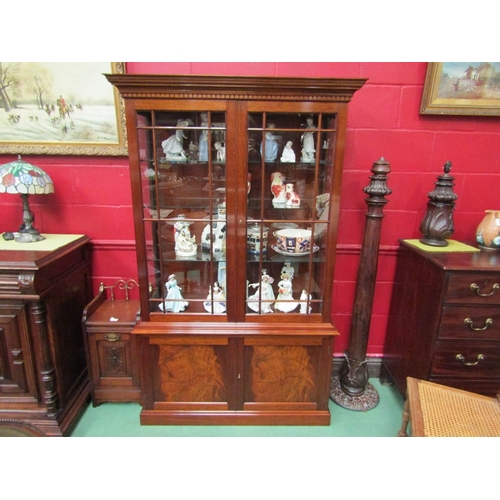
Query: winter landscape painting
[[60, 108]]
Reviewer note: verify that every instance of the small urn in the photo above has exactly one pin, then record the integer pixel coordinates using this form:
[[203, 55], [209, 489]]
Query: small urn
[[437, 224], [488, 231]]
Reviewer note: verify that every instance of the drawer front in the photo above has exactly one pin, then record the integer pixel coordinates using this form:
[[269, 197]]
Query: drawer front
[[467, 359], [473, 288], [470, 323]]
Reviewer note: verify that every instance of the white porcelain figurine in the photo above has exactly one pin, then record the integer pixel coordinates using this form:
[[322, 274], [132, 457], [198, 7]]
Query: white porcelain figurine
[[174, 301], [288, 155], [307, 139], [303, 304], [173, 147], [285, 295], [266, 294], [185, 244], [217, 301]]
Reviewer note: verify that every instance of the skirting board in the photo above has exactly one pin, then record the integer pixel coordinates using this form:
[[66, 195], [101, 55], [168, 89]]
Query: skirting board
[[374, 366]]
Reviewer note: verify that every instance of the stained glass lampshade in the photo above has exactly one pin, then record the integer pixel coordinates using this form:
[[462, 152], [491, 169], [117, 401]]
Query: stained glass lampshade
[[20, 177]]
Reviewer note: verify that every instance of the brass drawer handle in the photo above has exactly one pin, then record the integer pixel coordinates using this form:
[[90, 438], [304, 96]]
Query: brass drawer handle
[[459, 357], [470, 324], [112, 337], [476, 287]]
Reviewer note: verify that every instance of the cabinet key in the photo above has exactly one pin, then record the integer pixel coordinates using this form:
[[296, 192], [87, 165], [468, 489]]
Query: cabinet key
[[476, 288], [460, 357], [470, 324]]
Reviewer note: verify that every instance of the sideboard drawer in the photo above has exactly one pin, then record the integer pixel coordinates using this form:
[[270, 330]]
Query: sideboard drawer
[[467, 359], [470, 323], [473, 288]]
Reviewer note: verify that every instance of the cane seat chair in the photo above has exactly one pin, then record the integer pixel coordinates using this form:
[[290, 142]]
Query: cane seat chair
[[435, 410]]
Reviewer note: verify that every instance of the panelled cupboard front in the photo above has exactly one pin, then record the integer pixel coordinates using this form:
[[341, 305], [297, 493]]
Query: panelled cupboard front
[[236, 184]]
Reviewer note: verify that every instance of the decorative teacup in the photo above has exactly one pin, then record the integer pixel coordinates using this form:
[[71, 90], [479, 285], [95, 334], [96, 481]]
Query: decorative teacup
[[293, 240]]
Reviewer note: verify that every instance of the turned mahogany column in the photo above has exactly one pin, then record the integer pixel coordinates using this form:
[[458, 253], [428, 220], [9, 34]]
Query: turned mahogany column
[[351, 389]]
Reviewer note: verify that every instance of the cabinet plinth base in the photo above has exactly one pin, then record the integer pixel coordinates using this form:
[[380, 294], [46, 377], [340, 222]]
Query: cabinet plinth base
[[234, 418]]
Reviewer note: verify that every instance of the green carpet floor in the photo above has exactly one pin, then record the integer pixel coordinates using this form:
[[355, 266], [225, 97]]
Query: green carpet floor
[[122, 420]]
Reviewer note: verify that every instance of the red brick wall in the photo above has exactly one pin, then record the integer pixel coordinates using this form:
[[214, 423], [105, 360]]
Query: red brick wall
[[384, 120]]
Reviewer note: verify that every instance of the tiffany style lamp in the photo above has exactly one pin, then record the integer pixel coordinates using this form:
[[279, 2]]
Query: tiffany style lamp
[[20, 177]]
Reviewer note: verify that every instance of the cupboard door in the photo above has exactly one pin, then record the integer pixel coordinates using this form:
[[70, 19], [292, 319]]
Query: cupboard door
[[286, 374], [17, 379], [187, 373]]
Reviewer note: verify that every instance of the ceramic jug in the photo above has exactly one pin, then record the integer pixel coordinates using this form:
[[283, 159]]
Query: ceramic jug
[[488, 231]]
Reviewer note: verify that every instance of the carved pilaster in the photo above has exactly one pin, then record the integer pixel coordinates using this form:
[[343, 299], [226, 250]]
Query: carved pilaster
[[46, 368]]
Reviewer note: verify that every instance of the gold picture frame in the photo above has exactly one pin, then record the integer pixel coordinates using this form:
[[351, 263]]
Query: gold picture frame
[[61, 109], [462, 88]]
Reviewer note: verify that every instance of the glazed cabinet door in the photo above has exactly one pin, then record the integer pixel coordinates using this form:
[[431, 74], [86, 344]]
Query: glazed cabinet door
[[181, 169], [17, 376], [290, 237]]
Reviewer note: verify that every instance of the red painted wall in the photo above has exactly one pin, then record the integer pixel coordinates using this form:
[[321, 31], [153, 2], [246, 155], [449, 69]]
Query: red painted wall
[[93, 194]]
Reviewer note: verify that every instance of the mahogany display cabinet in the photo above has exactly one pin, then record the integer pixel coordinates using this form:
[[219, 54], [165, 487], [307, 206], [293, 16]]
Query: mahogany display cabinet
[[235, 184]]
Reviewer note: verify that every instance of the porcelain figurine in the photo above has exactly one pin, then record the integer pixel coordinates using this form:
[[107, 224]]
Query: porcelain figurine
[[221, 151], [288, 269], [185, 244], [217, 301], [278, 190], [218, 233], [288, 155], [203, 145], [303, 305], [173, 146], [174, 301], [270, 144], [292, 198], [221, 274], [285, 295], [307, 139], [266, 294]]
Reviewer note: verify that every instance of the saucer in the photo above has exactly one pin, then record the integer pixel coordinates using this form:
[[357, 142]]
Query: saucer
[[293, 254]]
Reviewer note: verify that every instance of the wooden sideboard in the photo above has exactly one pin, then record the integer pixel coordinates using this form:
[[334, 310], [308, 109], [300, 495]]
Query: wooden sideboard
[[44, 287], [444, 323]]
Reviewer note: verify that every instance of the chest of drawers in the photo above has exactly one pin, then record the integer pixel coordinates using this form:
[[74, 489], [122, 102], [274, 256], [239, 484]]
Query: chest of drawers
[[444, 323]]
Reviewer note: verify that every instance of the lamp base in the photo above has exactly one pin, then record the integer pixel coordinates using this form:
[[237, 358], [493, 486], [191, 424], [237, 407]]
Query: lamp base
[[29, 236], [368, 400]]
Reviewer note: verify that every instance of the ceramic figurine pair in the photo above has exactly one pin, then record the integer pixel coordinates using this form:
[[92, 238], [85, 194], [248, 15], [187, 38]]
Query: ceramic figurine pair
[[264, 294], [284, 195]]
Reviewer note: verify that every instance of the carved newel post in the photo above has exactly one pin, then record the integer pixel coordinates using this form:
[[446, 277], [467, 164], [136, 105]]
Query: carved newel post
[[351, 388], [437, 224]]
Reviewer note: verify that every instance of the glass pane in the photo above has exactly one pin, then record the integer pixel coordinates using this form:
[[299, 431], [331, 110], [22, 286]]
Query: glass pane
[[183, 176], [290, 170]]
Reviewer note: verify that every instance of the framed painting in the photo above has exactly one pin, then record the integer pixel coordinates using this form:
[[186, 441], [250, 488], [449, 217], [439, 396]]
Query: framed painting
[[462, 88], [61, 108]]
